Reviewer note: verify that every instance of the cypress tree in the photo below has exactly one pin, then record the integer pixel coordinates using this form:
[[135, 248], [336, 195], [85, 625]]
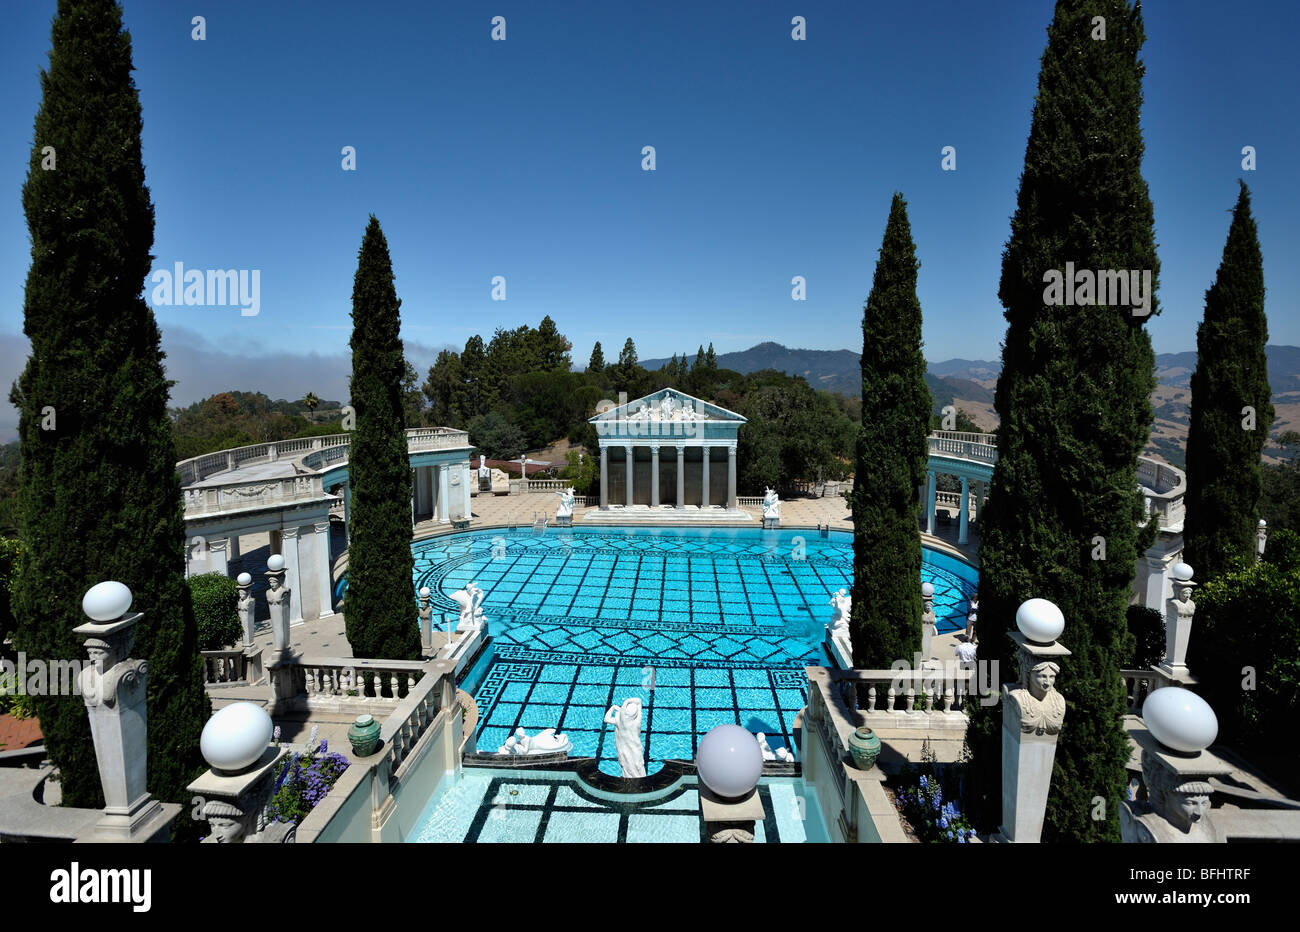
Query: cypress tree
[[892, 449], [99, 495], [379, 612], [1224, 479], [596, 365], [1074, 405]]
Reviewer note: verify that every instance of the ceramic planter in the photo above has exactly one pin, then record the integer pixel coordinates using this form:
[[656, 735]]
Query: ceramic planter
[[864, 746]]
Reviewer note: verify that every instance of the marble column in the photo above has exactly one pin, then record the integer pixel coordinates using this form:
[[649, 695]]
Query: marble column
[[731, 477], [444, 494], [292, 579], [627, 451], [465, 478], [654, 476], [232, 552], [929, 502], [347, 515], [681, 475], [604, 477], [413, 478], [963, 519], [217, 562], [704, 478], [325, 576], [1178, 624]]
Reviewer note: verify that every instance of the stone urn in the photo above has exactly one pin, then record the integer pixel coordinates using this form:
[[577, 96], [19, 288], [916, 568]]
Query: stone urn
[[364, 735], [864, 746]]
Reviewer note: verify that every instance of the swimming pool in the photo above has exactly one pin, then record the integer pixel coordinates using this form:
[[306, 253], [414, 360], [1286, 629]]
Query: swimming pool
[[706, 626], [500, 805]]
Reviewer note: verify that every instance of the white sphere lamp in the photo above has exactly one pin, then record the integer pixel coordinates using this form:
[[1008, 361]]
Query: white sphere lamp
[[106, 601], [1181, 572], [275, 563], [729, 761], [244, 579], [1180, 719], [235, 736], [425, 592], [1040, 621], [927, 589]]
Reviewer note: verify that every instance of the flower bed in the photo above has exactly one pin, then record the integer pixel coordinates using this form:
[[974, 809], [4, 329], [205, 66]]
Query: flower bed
[[303, 781]]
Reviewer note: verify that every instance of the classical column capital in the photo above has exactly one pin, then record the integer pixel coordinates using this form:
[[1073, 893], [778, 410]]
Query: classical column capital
[[731, 449], [321, 527], [291, 532]]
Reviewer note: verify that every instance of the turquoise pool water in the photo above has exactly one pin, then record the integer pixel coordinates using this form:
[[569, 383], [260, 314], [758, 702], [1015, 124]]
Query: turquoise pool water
[[705, 626], [490, 805]]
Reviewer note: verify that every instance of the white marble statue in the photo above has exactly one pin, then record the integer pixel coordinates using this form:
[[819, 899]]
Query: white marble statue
[[565, 510], [781, 754], [842, 602], [771, 504], [545, 741], [470, 600], [626, 720], [667, 408], [1042, 708], [1176, 809]]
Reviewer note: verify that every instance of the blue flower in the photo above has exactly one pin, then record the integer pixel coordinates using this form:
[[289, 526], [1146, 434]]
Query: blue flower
[[943, 823], [937, 803], [925, 783], [970, 833], [961, 839], [950, 836], [324, 746]]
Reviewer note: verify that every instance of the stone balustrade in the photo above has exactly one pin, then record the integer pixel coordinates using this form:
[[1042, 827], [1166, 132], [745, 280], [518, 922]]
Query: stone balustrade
[[749, 501], [895, 692], [251, 494], [225, 667], [1138, 684], [344, 683], [981, 448], [1165, 488]]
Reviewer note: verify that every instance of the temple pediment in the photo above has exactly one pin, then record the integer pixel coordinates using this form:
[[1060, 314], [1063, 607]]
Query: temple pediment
[[668, 404]]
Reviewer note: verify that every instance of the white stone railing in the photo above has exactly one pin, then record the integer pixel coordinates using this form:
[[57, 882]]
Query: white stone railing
[[979, 447], [1165, 487], [225, 667], [333, 680], [1138, 684], [749, 501], [910, 692], [251, 494], [418, 439], [544, 485]]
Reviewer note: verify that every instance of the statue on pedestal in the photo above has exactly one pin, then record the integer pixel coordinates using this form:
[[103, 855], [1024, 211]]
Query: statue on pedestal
[[245, 607], [1176, 810], [771, 505], [842, 603], [470, 600], [1042, 708], [626, 720], [565, 509], [231, 825]]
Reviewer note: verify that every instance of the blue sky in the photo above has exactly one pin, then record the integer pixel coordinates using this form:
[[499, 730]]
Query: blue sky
[[522, 158]]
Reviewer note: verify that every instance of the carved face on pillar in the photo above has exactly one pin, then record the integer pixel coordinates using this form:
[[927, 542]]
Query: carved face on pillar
[[1042, 679], [1190, 809]]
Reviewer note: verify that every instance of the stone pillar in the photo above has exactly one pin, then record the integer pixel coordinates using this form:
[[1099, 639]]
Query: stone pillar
[[426, 619], [1178, 625], [217, 562], [654, 475], [232, 551], [413, 477], [465, 476], [278, 600], [1032, 713], [245, 607], [113, 689], [927, 621], [604, 477], [1177, 808], [292, 578], [731, 477], [730, 821], [1261, 538], [929, 502], [1153, 593], [627, 453], [704, 477], [444, 494], [962, 530], [681, 475], [347, 514], [324, 571], [233, 803]]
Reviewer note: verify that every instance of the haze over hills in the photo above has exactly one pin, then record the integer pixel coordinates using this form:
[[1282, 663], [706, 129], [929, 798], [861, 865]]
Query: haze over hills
[[969, 384]]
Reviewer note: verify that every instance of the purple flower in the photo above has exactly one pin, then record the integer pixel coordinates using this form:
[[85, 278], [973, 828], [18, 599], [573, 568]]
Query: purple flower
[[324, 746]]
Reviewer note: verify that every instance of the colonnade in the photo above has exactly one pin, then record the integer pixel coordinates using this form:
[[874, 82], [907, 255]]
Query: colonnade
[[656, 452], [929, 493]]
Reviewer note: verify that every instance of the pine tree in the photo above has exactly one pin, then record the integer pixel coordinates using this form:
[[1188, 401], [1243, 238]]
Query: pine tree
[[99, 496], [1074, 409], [698, 365], [473, 367], [1224, 479], [892, 450], [596, 365], [379, 611], [710, 359]]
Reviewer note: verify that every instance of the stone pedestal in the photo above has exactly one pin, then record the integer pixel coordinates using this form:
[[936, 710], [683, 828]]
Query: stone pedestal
[[278, 598], [1032, 716], [770, 524], [564, 520], [730, 821], [234, 804], [114, 692], [1177, 809], [1179, 612], [288, 680]]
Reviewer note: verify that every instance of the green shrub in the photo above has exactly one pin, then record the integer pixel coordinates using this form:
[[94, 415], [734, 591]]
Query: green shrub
[[215, 596], [1148, 629], [12, 702]]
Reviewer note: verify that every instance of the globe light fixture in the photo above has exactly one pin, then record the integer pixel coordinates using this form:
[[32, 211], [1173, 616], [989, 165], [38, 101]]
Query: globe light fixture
[[275, 563], [106, 601], [1181, 571], [927, 589], [425, 592], [1180, 719], [244, 579], [729, 761], [1040, 621], [235, 736]]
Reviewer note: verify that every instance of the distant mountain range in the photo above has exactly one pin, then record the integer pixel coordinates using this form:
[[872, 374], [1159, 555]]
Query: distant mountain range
[[969, 384]]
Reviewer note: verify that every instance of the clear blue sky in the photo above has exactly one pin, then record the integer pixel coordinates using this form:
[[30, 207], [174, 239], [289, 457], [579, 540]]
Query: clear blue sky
[[522, 158]]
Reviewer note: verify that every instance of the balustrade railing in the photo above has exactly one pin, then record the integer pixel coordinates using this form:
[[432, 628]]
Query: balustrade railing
[[341, 678], [251, 494], [965, 445], [1138, 684], [224, 667], [896, 692]]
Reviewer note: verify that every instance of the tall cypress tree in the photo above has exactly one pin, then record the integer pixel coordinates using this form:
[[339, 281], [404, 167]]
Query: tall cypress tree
[[596, 365], [379, 612], [892, 449], [1224, 479], [1074, 408], [99, 496]]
